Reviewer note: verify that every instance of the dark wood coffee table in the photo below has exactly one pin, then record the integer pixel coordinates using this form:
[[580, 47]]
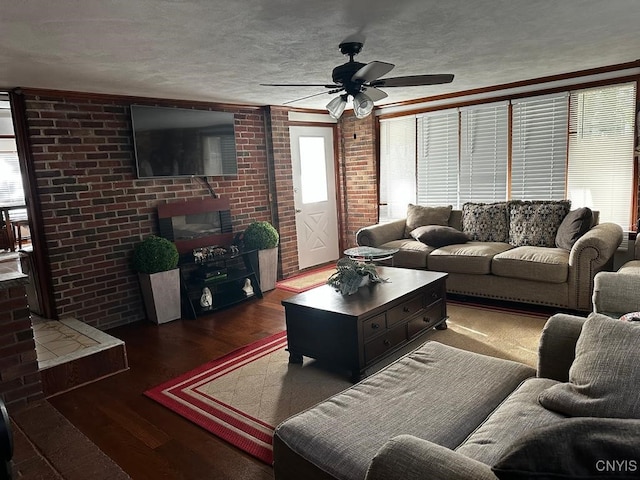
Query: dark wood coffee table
[[360, 330]]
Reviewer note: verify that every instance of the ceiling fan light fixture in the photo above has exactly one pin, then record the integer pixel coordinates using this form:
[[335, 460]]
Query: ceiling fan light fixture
[[337, 106], [362, 105]]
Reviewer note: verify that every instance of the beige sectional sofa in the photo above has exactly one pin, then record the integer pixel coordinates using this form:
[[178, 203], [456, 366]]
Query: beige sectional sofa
[[531, 252]]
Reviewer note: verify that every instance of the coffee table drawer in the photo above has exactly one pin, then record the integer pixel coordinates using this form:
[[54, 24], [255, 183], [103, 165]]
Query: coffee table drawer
[[434, 294], [404, 310], [374, 326], [425, 320], [379, 345]]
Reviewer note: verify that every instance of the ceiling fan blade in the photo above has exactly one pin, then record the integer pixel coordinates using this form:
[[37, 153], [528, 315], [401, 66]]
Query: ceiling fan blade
[[413, 80], [300, 85], [374, 94], [371, 71], [310, 96]]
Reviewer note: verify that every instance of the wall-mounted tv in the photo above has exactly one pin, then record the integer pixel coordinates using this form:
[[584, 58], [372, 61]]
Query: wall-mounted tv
[[177, 142]]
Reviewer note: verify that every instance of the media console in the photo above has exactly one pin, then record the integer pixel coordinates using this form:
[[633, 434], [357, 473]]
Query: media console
[[205, 225]]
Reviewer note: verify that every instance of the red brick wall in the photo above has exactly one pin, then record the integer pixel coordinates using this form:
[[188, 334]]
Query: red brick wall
[[358, 175], [20, 380], [95, 209], [283, 180]]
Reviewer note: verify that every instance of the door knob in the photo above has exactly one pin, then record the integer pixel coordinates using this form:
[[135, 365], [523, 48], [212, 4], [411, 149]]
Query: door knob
[[298, 210]]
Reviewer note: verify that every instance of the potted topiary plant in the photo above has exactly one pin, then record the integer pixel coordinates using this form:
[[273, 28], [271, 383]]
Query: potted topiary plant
[[263, 237], [351, 274], [156, 260]]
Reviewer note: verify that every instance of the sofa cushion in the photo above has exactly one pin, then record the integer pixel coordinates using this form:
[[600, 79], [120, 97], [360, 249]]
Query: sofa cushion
[[439, 235], [536, 223], [632, 267], [418, 216], [411, 396], [573, 226], [519, 413], [411, 253], [471, 257], [604, 377], [485, 222], [533, 263], [590, 448]]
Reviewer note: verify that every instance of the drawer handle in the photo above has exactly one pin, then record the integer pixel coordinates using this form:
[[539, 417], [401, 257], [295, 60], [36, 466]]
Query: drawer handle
[[405, 309], [434, 295], [426, 319], [386, 342], [375, 325]]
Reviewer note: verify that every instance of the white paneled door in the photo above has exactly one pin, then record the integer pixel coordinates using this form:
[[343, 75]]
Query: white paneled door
[[314, 186]]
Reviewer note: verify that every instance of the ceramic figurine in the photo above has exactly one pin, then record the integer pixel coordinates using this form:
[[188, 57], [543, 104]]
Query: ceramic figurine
[[206, 300], [247, 289]]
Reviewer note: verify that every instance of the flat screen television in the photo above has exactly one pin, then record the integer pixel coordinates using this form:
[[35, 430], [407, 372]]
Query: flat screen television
[[177, 142]]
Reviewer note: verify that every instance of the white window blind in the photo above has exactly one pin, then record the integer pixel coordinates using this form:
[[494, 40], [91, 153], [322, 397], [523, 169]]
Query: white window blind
[[10, 179], [397, 167], [437, 169], [483, 153], [539, 147], [600, 171]]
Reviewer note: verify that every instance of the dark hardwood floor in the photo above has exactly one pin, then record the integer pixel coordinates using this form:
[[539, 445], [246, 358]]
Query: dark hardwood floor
[[146, 439]]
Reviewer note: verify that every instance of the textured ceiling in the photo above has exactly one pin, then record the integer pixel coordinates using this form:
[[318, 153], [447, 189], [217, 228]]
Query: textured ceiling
[[221, 51]]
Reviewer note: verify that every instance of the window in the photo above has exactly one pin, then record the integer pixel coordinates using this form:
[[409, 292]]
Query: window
[[438, 158], [313, 168], [11, 191], [576, 145], [484, 140], [600, 174], [397, 167], [539, 147]]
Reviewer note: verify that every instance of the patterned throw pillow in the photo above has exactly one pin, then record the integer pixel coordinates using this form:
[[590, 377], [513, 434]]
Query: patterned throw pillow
[[485, 222], [536, 223]]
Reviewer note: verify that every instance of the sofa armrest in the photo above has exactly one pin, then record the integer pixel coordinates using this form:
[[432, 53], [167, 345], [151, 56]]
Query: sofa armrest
[[406, 457], [604, 238], [376, 235], [557, 348], [592, 253], [616, 293]]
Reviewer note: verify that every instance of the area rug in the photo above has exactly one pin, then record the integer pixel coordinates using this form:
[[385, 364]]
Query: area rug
[[306, 281], [242, 396]]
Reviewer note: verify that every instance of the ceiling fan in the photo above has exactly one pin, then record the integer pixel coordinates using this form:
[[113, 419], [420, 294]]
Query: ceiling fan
[[361, 81]]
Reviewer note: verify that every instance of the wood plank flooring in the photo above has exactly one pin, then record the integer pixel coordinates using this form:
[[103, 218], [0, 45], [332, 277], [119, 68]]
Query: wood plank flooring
[[146, 439]]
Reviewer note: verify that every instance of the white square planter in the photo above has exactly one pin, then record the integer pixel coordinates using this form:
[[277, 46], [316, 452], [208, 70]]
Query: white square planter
[[161, 294], [268, 268]]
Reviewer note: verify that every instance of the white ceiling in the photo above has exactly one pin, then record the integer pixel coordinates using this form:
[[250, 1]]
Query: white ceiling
[[221, 50]]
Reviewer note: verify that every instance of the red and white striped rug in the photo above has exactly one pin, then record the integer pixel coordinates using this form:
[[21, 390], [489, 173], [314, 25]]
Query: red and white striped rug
[[244, 395]]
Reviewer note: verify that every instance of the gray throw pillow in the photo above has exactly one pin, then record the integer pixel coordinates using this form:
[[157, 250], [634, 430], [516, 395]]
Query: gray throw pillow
[[574, 448], [575, 224], [418, 216], [485, 222], [605, 374], [536, 223], [438, 235]]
